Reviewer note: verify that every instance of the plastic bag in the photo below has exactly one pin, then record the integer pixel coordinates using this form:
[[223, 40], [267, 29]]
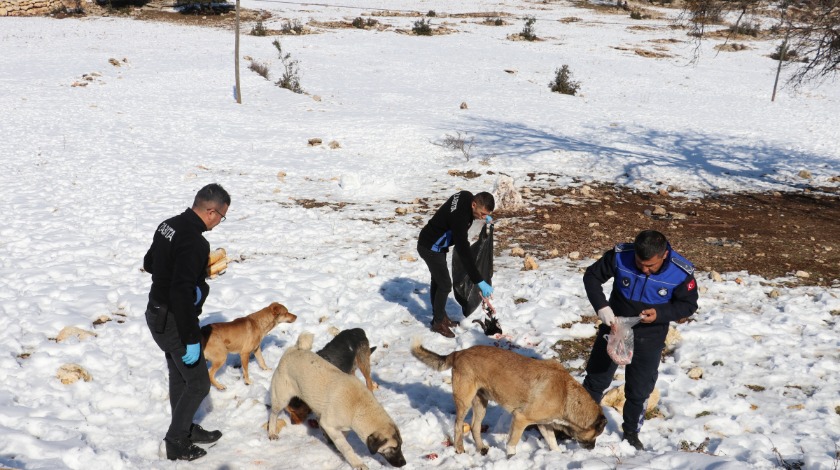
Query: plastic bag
[[620, 340], [468, 294]]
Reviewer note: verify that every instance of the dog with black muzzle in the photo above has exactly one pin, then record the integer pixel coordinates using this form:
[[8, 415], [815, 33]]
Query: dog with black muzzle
[[341, 402], [349, 350], [534, 391]]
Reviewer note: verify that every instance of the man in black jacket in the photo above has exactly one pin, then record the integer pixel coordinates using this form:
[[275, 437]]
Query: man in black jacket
[[446, 228], [177, 261], [651, 281]]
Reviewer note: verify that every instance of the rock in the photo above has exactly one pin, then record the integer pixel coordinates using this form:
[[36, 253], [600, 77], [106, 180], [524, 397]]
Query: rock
[[72, 331], [663, 192], [774, 293], [659, 210], [715, 276], [554, 253], [586, 191], [834, 179], [615, 399], [334, 331], [281, 176], [403, 210], [805, 174], [407, 257], [696, 373], [574, 255], [803, 274], [609, 213], [530, 264], [517, 251], [506, 195], [672, 339], [316, 97], [678, 216], [71, 373], [463, 105], [101, 320], [552, 227], [335, 145], [315, 141]]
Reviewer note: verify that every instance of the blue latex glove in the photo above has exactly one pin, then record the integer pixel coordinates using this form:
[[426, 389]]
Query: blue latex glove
[[197, 295], [488, 219], [486, 289], [191, 356]]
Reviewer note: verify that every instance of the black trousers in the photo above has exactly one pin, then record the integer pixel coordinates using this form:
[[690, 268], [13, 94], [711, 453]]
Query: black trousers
[[640, 375], [441, 284], [188, 384]]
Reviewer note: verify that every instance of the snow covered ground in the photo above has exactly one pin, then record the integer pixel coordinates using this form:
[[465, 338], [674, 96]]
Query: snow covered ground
[[90, 171]]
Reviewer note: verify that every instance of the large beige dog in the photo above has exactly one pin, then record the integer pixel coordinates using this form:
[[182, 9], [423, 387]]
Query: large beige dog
[[242, 336], [341, 402], [534, 391]]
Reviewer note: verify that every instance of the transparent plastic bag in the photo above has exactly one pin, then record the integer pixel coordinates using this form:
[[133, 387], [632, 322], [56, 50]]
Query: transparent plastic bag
[[620, 340]]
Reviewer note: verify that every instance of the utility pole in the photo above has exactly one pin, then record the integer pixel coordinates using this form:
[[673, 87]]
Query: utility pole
[[236, 58]]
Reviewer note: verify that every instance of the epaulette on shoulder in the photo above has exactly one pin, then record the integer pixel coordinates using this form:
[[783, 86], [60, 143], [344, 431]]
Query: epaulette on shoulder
[[624, 247], [683, 264]]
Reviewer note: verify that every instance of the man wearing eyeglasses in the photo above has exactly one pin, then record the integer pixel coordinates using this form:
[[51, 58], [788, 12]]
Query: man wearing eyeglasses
[[177, 261]]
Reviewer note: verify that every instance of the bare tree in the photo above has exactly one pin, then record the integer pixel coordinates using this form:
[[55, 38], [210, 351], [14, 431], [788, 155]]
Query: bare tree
[[810, 29]]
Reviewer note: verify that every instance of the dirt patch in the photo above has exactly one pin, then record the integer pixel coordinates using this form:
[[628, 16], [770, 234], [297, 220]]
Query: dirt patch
[[218, 19], [766, 234]]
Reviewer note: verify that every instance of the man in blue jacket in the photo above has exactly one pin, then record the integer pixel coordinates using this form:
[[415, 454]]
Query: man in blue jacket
[[448, 227], [177, 261], [651, 281]]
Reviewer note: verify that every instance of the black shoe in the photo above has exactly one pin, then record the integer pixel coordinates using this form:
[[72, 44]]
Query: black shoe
[[199, 435], [442, 329], [183, 449], [633, 439]]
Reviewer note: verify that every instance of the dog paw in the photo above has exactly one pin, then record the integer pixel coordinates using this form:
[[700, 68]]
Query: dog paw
[[221, 387], [273, 437], [374, 386]]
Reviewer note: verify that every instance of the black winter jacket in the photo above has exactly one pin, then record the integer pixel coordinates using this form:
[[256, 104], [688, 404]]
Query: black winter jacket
[[177, 261], [448, 227]]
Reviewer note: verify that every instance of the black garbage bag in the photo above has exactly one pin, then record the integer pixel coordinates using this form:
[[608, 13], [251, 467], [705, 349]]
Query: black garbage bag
[[466, 293]]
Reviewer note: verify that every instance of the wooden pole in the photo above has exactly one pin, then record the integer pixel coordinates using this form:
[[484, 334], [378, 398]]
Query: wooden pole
[[782, 52], [236, 58]]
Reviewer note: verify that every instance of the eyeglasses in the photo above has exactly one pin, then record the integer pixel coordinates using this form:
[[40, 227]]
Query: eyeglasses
[[220, 215]]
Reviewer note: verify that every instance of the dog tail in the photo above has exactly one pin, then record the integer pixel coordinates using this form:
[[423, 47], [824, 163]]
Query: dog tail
[[305, 340], [431, 359]]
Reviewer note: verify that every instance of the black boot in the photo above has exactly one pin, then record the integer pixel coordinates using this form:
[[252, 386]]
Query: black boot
[[183, 449], [633, 439], [199, 435]]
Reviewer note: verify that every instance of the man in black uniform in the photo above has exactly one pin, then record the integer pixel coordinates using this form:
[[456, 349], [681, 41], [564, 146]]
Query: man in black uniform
[[446, 228], [651, 281], [177, 261]]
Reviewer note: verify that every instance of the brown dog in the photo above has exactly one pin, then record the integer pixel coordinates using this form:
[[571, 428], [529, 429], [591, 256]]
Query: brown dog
[[341, 402], [242, 336], [534, 391]]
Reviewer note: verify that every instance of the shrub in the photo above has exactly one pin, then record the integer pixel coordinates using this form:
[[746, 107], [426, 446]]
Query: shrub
[[291, 78], [259, 29], [459, 142], [747, 29], [431, 13], [528, 30], [790, 54], [563, 82], [362, 24], [291, 27], [260, 68], [422, 28]]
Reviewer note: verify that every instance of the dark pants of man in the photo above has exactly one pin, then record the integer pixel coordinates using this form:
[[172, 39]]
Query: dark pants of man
[[188, 384], [441, 284], [640, 375]]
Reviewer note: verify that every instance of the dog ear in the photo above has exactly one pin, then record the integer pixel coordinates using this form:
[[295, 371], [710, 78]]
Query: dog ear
[[375, 442], [278, 308], [600, 423]]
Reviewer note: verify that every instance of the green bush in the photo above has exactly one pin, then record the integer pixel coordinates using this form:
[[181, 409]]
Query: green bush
[[291, 76], [563, 83], [528, 33], [422, 28], [361, 23], [259, 29]]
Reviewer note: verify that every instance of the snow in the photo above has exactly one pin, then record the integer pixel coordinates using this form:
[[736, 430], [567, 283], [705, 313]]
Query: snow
[[90, 172]]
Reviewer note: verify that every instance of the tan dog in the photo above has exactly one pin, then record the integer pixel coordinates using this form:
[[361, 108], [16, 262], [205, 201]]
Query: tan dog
[[341, 401], [242, 336], [534, 391]]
